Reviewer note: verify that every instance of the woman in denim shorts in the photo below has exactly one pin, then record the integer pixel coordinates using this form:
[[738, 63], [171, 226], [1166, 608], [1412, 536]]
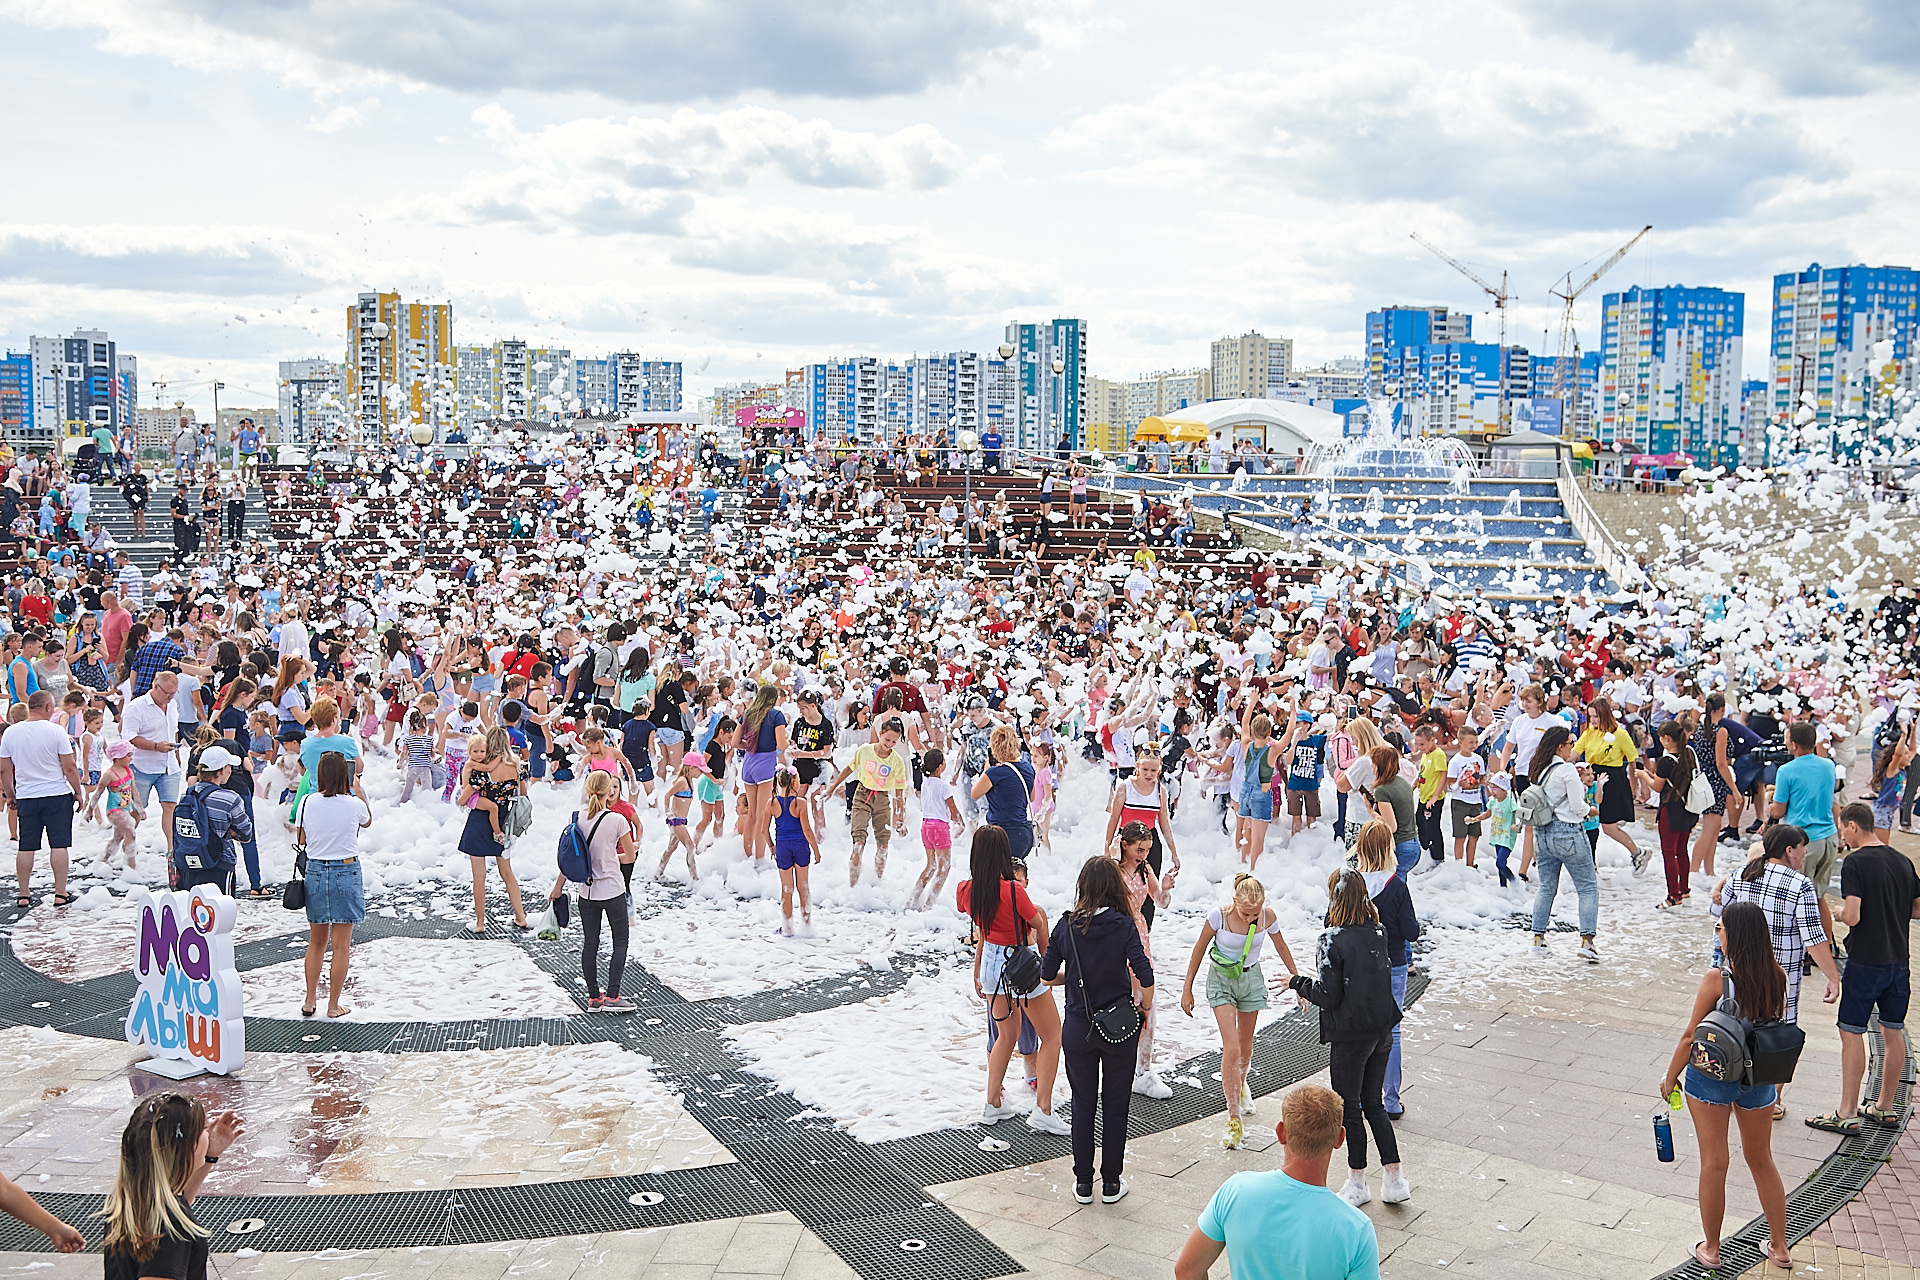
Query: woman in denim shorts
[[330, 821], [1759, 994]]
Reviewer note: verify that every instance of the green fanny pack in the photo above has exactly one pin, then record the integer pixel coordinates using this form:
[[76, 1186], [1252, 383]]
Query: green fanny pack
[[1233, 968]]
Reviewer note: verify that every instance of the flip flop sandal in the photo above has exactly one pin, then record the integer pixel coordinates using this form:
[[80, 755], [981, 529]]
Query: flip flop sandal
[[1711, 1266], [1779, 1112], [1834, 1122], [1885, 1119]]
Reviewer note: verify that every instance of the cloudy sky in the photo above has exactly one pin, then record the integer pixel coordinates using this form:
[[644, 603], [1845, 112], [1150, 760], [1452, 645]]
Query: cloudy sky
[[744, 184]]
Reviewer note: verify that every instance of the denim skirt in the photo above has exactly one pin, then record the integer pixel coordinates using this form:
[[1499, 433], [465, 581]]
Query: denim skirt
[[334, 895]]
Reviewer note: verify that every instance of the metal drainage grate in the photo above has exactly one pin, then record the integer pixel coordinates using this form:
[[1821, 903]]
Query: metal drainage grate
[[915, 1244]]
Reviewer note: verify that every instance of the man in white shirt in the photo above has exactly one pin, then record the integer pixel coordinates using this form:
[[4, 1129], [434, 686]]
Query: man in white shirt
[[295, 640], [152, 726], [39, 779]]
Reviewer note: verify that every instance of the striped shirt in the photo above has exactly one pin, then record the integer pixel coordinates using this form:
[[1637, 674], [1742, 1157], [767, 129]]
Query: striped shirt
[[419, 750]]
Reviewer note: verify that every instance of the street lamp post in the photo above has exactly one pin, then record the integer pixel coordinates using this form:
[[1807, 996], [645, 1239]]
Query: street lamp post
[[380, 330], [1006, 358], [422, 435], [1059, 367], [968, 442]]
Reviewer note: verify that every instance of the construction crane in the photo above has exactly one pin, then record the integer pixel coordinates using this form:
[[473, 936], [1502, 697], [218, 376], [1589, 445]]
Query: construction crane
[[1500, 298], [1566, 382]]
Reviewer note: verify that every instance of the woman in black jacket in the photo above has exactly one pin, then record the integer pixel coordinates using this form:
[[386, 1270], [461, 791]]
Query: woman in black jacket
[[1373, 852], [1098, 947], [1357, 1013]]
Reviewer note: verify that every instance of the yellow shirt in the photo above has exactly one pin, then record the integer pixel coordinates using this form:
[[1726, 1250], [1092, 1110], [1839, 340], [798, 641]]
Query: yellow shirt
[[876, 772], [1433, 775], [1609, 749]]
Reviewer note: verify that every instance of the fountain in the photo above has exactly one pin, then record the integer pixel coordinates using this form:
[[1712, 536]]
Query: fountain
[[1382, 451], [1510, 510], [1462, 483], [1373, 510], [1476, 525]]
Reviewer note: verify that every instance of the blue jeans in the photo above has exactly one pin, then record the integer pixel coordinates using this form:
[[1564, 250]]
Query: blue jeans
[[1564, 844], [1406, 854], [1393, 1056]]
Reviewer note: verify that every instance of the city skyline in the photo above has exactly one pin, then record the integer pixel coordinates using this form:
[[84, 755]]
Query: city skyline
[[704, 192]]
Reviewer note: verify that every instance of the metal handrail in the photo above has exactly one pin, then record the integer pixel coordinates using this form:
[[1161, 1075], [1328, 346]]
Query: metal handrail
[[1613, 557]]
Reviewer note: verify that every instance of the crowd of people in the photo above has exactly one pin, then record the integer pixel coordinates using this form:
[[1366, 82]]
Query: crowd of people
[[770, 708]]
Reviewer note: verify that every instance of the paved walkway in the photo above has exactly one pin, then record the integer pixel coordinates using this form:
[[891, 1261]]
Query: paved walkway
[[1530, 1088]]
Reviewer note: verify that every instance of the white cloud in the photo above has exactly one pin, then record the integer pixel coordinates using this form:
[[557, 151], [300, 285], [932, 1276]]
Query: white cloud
[[658, 51], [344, 116], [604, 176]]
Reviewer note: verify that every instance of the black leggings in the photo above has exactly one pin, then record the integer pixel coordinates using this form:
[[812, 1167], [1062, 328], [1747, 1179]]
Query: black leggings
[[615, 910], [1359, 1069]]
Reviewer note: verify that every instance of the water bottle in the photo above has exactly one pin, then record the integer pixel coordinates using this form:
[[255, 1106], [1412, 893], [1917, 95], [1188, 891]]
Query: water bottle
[[1663, 1137]]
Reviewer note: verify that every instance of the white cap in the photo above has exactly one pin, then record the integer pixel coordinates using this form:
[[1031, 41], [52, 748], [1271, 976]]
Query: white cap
[[214, 759]]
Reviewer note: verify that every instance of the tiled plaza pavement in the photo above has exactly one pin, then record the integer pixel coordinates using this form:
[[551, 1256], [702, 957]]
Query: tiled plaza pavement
[[1530, 1089]]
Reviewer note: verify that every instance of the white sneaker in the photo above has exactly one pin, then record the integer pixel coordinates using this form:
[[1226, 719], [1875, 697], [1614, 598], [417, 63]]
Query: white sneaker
[[1355, 1193], [1115, 1193], [1588, 953], [1394, 1190], [1247, 1107], [1150, 1085], [991, 1114], [1048, 1122], [1540, 946], [1641, 857]]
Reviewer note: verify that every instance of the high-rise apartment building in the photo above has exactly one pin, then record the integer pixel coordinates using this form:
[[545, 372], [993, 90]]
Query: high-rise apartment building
[[1051, 402], [313, 402], [1670, 372], [75, 384], [1107, 415], [1845, 334], [1335, 380], [512, 381], [1756, 401], [1447, 388], [1392, 328], [596, 383], [1576, 422], [154, 428], [1249, 366], [646, 386], [405, 345], [16, 396], [1158, 394], [950, 391]]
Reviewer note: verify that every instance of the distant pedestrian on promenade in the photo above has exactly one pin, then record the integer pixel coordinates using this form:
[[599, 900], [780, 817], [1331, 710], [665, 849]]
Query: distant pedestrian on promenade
[[1749, 983]]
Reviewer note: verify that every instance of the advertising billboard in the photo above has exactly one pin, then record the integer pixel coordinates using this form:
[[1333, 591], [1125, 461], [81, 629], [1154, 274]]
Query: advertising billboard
[[769, 417], [1545, 417]]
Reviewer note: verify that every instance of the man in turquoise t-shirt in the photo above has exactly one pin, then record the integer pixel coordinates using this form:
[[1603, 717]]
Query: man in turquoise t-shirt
[[1286, 1224], [1803, 795]]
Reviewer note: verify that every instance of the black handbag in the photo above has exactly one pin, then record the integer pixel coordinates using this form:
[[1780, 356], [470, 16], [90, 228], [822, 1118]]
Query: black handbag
[[294, 896], [1120, 1021], [1021, 972]]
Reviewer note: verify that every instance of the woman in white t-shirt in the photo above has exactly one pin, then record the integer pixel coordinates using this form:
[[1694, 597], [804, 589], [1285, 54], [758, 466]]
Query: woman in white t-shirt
[[610, 854], [329, 824]]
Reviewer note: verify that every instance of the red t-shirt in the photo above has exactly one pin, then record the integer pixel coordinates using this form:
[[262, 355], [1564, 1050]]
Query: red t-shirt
[[1015, 907], [910, 699], [39, 608]]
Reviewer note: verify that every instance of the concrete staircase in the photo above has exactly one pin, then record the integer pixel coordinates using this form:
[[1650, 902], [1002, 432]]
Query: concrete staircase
[[150, 552]]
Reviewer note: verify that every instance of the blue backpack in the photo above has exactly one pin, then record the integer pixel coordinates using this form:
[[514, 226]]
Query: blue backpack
[[575, 865], [196, 845]]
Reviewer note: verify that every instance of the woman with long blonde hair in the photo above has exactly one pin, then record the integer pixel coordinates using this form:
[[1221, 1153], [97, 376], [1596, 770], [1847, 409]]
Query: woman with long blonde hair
[[763, 737], [492, 773], [169, 1146]]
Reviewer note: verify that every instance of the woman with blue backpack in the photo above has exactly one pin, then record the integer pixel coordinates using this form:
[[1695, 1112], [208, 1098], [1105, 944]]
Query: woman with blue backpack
[[607, 839], [1747, 989]]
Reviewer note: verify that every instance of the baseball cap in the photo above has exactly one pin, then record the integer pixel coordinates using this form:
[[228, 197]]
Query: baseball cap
[[214, 759]]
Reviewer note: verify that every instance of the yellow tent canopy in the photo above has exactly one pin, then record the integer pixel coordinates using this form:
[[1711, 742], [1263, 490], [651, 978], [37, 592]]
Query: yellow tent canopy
[[1581, 449], [1186, 429], [1151, 429]]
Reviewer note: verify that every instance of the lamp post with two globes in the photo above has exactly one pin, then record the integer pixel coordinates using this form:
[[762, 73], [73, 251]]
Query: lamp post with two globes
[[422, 436], [968, 443]]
